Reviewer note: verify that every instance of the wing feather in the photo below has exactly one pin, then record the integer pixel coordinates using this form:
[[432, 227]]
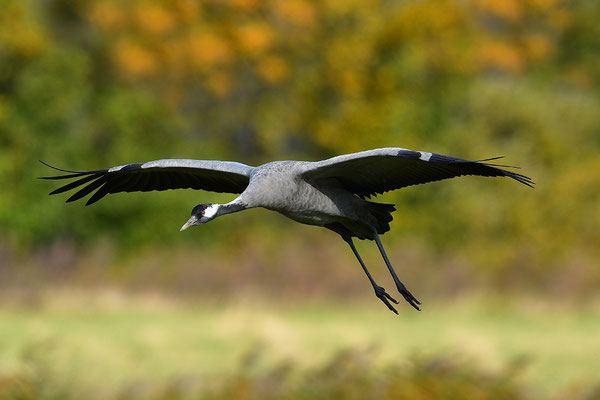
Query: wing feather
[[371, 172], [88, 189], [74, 184], [100, 193], [217, 176], [146, 182]]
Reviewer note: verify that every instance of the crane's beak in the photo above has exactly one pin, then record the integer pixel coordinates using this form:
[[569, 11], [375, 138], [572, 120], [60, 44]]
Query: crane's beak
[[190, 222]]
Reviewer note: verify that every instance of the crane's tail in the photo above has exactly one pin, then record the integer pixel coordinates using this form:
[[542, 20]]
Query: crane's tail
[[383, 213]]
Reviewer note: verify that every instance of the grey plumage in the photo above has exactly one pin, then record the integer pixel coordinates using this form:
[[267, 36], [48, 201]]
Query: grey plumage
[[331, 193]]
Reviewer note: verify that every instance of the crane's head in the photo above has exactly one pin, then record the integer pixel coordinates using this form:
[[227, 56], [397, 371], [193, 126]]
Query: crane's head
[[201, 214]]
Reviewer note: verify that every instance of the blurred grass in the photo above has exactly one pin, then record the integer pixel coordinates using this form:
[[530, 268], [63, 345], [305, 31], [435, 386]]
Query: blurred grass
[[108, 342]]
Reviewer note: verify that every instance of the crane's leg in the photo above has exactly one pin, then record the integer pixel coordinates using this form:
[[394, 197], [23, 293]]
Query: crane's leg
[[379, 291], [401, 288]]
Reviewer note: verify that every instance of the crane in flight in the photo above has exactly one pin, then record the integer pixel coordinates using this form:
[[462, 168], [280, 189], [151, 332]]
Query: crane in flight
[[331, 193]]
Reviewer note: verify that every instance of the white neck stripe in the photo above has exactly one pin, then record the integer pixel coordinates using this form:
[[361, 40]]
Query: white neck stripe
[[211, 210]]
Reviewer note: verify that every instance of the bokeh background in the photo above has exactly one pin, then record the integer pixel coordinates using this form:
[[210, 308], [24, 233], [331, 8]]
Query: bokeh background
[[112, 299]]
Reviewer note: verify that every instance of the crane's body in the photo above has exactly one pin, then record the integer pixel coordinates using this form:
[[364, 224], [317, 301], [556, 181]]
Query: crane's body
[[288, 194], [330, 193]]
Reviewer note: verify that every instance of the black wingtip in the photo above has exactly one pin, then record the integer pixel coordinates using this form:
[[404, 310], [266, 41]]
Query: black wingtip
[[485, 162], [490, 159], [48, 165], [62, 170], [71, 173], [525, 180]]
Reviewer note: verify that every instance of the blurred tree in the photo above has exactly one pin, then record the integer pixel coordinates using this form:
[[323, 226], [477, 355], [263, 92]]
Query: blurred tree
[[103, 82]]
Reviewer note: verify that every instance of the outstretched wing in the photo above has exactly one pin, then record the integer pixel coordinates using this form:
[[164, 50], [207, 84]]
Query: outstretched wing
[[215, 176], [376, 171]]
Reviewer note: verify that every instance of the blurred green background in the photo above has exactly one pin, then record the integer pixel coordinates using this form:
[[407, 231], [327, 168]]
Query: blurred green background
[[113, 297]]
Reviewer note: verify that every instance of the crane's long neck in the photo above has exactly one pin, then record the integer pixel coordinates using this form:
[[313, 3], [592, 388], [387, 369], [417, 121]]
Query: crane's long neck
[[231, 207]]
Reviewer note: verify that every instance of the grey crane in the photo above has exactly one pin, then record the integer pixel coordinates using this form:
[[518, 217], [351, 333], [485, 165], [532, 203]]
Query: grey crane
[[331, 193]]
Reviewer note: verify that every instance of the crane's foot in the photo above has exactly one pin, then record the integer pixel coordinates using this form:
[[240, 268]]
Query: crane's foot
[[408, 296], [386, 298]]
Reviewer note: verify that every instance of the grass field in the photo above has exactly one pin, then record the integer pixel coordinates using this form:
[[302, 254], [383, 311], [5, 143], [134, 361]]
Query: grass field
[[107, 342]]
